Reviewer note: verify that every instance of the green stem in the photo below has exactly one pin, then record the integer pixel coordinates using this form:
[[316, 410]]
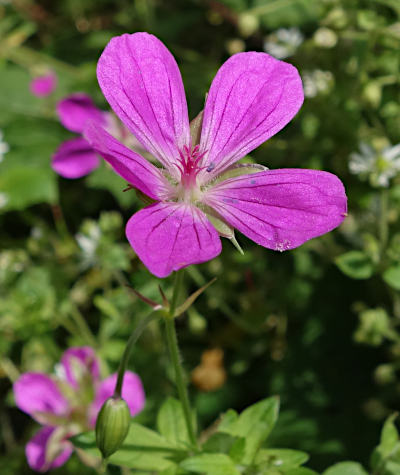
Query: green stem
[[83, 327], [175, 294], [270, 7], [176, 361], [383, 221], [125, 357]]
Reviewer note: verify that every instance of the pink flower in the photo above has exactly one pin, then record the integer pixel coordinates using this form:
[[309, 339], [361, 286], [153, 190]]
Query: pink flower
[[43, 86], [75, 157], [68, 404], [199, 188]]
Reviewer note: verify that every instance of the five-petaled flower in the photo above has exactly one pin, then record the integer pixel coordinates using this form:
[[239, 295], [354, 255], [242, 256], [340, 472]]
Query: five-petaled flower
[[199, 191], [75, 157], [68, 403]]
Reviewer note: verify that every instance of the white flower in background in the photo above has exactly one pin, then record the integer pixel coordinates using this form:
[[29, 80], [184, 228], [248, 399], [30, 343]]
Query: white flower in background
[[3, 200], [316, 82], [283, 42], [377, 166], [4, 148], [88, 242], [325, 38]]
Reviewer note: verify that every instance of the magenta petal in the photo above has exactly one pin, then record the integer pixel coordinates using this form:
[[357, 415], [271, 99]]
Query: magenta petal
[[75, 110], [281, 209], [252, 97], [37, 392], [141, 81], [74, 158], [37, 452], [43, 86], [78, 362], [130, 165], [170, 236], [132, 392]]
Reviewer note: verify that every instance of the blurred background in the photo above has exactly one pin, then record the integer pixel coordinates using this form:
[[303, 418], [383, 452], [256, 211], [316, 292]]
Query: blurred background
[[319, 326]]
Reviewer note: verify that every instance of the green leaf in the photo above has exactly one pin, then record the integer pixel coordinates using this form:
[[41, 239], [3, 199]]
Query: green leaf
[[142, 449], [300, 471], [374, 327], [355, 264], [15, 96], [392, 277], [281, 458], [254, 424], [219, 443], [346, 468], [211, 464], [228, 420], [389, 435], [392, 468], [23, 187], [389, 446], [171, 423]]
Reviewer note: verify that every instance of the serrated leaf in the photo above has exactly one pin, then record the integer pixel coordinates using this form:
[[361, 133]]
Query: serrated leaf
[[355, 264], [211, 464], [346, 468], [171, 423]]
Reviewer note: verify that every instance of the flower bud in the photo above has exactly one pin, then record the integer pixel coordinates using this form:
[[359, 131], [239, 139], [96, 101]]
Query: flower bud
[[112, 425]]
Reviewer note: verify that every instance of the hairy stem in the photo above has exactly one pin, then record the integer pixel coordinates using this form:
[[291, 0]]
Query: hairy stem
[[176, 361]]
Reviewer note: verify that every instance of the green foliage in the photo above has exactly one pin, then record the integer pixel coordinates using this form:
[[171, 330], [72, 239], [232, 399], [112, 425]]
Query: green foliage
[[234, 446], [386, 457], [318, 325], [346, 468], [355, 264]]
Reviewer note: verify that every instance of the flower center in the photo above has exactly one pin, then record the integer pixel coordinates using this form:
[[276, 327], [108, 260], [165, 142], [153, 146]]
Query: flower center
[[189, 166]]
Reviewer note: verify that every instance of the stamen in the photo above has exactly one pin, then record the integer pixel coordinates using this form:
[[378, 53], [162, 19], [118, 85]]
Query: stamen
[[189, 165]]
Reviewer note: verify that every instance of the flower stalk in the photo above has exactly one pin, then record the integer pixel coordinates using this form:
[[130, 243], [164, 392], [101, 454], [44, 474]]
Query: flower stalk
[[128, 349], [176, 361]]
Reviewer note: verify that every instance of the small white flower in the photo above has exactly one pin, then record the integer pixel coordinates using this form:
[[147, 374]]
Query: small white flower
[[88, 243], [316, 82], [283, 42], [4, 147], [36, 232], [3, 200], [325, 37], [377, 166]]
